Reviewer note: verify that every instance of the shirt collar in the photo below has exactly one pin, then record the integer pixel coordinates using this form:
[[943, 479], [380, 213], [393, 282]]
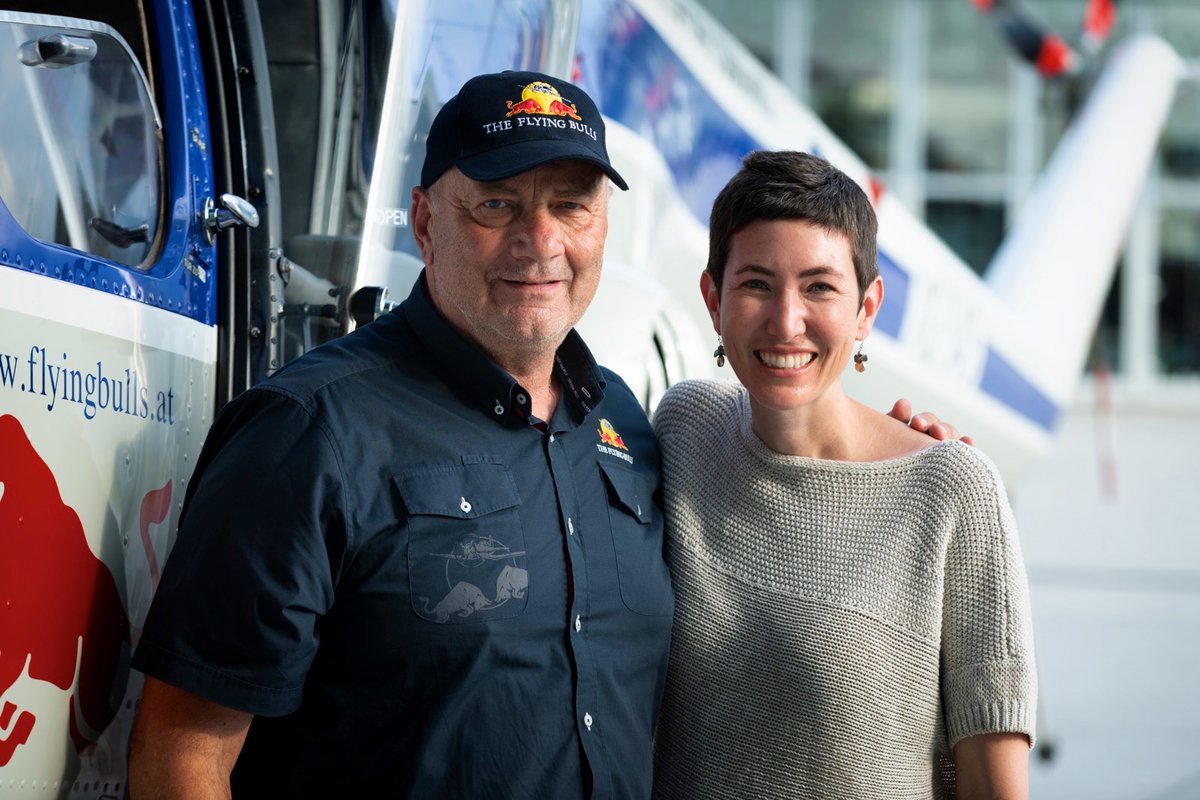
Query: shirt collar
[[487, 385]]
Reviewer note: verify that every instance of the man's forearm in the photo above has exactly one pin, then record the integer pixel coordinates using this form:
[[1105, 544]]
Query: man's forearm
[[183, 746]]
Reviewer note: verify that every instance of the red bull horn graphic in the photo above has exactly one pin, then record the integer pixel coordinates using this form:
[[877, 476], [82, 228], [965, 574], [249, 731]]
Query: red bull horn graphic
[[540, 97], [609, 435], [61, 617], [155, 507]]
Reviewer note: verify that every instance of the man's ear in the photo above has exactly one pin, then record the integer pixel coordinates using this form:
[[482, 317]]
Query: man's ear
[[422, 218], [872, 300], [712, 299]]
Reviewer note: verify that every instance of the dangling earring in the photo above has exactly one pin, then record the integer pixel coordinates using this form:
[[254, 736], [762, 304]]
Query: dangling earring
[[860, 358], [719, 353]]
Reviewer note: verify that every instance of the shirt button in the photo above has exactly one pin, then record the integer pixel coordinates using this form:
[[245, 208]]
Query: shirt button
[[499, 409], [578, 624], [552, 438], [570, 526], [521, 399], [587, 720], [465, 505]]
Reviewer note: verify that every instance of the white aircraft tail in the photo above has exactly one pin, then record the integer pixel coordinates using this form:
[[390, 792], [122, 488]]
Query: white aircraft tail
[[1000, 357], [1074, 222]]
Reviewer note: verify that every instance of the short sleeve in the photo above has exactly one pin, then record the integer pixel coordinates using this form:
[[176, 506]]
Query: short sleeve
[[261, 538], [989, 678]]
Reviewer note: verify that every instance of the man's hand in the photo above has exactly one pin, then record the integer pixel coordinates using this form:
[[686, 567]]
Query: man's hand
[[926, 422]]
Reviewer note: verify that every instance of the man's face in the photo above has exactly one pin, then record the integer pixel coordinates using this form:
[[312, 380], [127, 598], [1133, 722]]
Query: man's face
[[513, 264]]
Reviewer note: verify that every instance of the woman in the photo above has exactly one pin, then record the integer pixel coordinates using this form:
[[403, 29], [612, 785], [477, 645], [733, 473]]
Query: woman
[[852, 617]]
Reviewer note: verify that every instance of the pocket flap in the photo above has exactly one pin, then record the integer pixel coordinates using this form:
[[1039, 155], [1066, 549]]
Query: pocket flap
[[630, 489], [462, 491]]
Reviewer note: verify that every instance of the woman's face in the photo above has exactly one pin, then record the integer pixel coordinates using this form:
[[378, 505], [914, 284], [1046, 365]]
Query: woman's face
[[789, 310]]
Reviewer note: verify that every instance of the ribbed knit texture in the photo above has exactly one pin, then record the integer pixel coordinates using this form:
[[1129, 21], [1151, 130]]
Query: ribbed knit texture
[[838, 625]]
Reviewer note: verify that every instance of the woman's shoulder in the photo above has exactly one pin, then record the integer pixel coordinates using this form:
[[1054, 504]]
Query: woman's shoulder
[[704, 388], [696, 401], [964, 472], [889, 440], [958, 456]]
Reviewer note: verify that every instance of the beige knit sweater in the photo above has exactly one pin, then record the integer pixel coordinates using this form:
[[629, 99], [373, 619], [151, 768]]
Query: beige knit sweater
[[839, 626]]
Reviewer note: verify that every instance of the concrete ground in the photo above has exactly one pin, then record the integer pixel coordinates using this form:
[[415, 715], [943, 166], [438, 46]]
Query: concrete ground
[[1114, 573]]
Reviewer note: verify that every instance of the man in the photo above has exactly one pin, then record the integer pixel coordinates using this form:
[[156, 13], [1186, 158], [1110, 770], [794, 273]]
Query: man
[[426, 559]]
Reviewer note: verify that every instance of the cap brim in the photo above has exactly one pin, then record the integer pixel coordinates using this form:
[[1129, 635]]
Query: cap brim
[[518, 157]]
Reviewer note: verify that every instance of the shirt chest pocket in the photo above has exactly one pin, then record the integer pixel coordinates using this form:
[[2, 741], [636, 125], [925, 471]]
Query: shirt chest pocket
[[638, 541], [466, 547]]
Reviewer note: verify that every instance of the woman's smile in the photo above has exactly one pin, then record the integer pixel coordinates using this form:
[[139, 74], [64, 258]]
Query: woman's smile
[[785, 360]]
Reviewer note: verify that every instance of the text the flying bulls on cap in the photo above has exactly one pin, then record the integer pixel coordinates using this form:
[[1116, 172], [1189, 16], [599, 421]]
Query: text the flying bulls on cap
[[506, 123]]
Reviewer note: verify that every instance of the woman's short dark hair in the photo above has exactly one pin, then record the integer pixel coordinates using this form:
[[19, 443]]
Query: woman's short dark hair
[[787, 184]]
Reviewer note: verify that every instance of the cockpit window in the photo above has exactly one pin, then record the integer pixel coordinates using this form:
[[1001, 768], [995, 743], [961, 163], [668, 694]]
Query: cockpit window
[[79, 137]]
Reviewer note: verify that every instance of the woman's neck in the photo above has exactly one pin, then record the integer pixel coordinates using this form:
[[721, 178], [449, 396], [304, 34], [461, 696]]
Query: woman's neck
[[823, 428], [836, 428]]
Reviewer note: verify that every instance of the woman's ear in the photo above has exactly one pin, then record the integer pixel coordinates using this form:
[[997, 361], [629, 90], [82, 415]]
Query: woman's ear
[[712, 298], [872, 300]]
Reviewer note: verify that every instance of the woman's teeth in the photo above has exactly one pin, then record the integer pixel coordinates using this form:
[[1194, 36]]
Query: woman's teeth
[[784, 362]]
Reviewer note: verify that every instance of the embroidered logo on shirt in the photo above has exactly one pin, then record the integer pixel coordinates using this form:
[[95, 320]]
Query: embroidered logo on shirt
[[474, 562], [611, 442], [609, 435]]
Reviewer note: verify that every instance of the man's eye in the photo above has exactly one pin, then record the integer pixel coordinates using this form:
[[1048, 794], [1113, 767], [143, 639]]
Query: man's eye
[[494, 205], [571, 206], [755, 283]]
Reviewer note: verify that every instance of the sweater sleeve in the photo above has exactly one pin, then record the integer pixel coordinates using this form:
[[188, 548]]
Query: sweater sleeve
[[989, 678]]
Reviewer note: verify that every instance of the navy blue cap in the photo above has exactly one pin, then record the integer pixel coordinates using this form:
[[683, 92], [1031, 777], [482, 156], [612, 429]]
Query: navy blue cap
[[506, 123]]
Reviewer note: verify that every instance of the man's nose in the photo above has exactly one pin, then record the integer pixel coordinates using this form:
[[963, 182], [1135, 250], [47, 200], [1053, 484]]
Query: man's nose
[[538, 235]]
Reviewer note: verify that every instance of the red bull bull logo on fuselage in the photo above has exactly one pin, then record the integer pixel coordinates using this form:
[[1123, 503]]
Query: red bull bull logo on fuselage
[[61, 618]]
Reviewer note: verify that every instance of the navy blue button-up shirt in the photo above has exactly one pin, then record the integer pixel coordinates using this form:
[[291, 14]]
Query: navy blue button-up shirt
[[416, 590]]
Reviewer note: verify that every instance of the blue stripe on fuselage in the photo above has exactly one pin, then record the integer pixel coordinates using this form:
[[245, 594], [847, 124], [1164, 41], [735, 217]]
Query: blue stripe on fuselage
[[1002, 381], [895, 296]]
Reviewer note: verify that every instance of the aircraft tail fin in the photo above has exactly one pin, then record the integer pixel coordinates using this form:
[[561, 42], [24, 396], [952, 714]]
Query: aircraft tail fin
[[1056, 264]]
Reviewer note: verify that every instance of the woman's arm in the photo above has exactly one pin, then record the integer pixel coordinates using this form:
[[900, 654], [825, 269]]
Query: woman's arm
[[992, 766], [988, 678]]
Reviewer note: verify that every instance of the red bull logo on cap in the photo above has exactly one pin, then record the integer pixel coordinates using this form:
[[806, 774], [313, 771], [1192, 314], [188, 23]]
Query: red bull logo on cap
[[540, 97]]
